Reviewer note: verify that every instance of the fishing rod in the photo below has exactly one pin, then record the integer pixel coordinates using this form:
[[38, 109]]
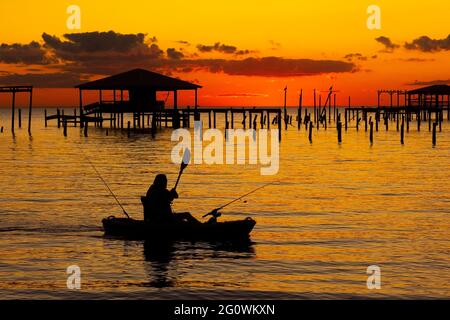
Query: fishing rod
[[112, 193], [104, 182], [215, 212]]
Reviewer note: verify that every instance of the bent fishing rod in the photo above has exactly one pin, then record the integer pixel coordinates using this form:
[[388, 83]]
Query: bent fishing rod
[[104, 181], [110, 191], [216, 211]]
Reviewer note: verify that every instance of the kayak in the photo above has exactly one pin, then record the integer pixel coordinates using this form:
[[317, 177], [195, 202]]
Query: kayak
[[140, 230]]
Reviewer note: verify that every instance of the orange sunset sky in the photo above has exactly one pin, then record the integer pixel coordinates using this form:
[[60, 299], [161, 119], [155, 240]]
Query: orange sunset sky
[[241, 52]]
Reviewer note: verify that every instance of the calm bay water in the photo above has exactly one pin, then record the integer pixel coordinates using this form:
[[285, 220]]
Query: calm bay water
[[335, 210]]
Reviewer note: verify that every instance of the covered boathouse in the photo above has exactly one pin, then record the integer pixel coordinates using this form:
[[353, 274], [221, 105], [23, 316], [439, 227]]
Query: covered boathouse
[[140, 87]]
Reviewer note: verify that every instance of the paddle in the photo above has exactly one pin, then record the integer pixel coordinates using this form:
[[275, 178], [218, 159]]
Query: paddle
[[184, 164]]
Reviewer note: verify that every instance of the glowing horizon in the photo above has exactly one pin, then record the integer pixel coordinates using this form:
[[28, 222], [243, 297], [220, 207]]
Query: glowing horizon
[[289, 32]]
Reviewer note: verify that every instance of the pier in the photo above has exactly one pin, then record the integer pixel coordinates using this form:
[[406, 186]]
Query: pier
[[14, 90], [134, 108]]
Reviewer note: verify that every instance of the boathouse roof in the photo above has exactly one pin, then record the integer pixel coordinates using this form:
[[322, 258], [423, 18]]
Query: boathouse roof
[[139, 78], [432, 90]]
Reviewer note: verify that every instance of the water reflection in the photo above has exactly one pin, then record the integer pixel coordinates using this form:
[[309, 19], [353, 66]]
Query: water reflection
[[162, 258]]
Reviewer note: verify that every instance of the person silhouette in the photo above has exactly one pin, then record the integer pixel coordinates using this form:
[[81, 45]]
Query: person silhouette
[[158, 204]]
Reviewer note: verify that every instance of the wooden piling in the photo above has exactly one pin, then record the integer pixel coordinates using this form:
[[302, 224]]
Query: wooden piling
[[58, 113], [434, 133], [13, 111], [315, 106], [429, 121], [299, 112], [279, 125], [310, 131], [357, 120], [86, 126], [408, 118], [365, 121], [19, 116], [418, 121], [371, 132], [30, 111], [339, 130], [402, 131], [129, 129], [65, 127], [346, 119]]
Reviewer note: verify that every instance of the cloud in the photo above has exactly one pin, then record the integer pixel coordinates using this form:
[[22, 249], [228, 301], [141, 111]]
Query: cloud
[[183, 42], [273, 66], [355, 56], [416, 60], [388, 44], [74, 57], [428, 83], [40, 80], [95, 41], [223, 48], [172, 53], [91, 45], [426, 44], [31, 53]]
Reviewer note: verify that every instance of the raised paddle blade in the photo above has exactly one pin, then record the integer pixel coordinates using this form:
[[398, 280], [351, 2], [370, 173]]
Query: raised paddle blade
[[186, 159], [184, 164]]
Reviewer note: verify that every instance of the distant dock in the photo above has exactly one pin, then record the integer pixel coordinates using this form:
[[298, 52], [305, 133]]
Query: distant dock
[[135, 108]]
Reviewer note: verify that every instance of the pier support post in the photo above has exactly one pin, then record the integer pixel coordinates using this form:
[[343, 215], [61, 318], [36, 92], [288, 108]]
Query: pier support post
[[86, 126], [339, 130], [310, 131], [346, 119], [13, 111], [371, 132], [65, 127], [279, 125], [434, 133], [30, 111], [402, 131], [429, 121], [365, 121]]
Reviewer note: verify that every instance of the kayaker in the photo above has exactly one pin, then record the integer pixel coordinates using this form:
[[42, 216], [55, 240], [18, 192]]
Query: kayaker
[[157, 204]]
